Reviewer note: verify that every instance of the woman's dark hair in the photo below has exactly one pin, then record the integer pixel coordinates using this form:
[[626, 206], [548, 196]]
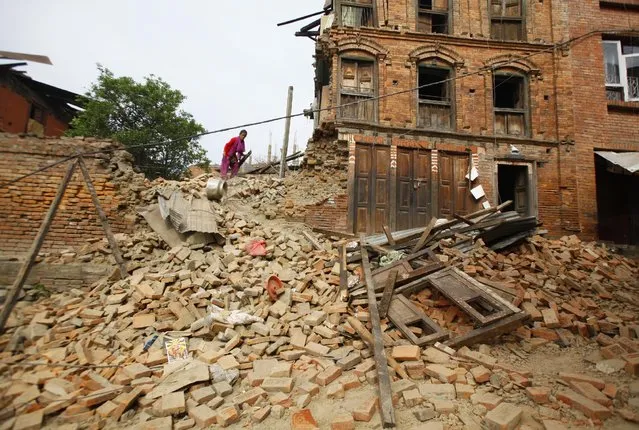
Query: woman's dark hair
[[243, 131]]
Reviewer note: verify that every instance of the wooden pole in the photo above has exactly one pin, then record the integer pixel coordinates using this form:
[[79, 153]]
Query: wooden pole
[[381, 363], [115, 249], [23, 274], [287, 130]]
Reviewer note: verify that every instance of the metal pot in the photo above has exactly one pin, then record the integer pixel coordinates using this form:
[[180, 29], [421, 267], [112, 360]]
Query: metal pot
[[216, 189]]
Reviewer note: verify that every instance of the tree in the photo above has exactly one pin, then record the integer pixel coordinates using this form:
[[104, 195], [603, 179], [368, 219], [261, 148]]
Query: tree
[[137, 114]]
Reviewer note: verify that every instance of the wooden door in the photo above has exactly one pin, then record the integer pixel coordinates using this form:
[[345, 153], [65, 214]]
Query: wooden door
[[521, 191], [372, 179], [454, 194], [413, 189]]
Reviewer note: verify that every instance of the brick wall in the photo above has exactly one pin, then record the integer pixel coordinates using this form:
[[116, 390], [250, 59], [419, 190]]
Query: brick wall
[[569, 113], [597, 125], [24, 204], [329, 215]]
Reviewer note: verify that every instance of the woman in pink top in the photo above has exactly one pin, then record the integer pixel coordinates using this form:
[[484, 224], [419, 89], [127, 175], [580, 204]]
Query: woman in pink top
[[233, 152]]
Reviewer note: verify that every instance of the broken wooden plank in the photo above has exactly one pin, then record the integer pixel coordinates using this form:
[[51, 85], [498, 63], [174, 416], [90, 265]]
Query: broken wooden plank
[[422, 239], [388, 294], [489, 332], [367, 337], [389, 235], [403, 313], [381, 363], [460, 288], [313, 241]]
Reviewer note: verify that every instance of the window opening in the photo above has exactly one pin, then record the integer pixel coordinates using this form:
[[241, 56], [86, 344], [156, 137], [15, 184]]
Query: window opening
[[435, 106], [509, 100], [432, 16], [507, 21]]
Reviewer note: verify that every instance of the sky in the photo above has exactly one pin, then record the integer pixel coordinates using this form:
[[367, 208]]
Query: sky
[[229, 59]]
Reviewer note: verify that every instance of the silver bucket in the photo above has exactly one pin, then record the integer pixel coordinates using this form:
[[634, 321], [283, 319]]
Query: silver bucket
[[216, 189]]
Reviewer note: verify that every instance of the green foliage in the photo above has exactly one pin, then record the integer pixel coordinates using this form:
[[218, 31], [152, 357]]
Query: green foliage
[[135, 114]]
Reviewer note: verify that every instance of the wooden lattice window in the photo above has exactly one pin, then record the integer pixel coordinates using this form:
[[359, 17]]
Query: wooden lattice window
[[357, 89], [433, 16], [357, 13], [507, 19]]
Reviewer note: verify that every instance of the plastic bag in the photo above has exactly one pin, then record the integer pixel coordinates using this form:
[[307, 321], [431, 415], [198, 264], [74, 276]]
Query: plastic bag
[[256, 248], [218, 314]]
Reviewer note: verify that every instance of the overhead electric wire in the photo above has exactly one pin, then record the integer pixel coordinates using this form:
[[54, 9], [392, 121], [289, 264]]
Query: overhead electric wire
[[328, 108]]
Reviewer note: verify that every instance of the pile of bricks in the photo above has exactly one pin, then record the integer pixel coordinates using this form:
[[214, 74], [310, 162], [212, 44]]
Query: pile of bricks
[[78, 358]]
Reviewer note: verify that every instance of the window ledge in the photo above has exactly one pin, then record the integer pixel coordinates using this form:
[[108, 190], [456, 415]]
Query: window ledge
[[623, 106]]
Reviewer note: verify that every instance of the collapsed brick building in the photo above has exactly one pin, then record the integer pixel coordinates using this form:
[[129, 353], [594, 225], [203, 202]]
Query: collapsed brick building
[[534, 95]]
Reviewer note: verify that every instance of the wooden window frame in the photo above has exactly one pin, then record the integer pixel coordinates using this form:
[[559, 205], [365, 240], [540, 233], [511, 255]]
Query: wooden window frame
[[521, 19], [451, 95], [372, 95], [433, 11], [355, 3], [623, 72], [525, 110]]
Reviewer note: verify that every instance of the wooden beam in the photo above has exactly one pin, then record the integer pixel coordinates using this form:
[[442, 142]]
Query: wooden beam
[[422, 240], [113, 244], [367, 337], [389, 235], [388, 294], [489, 332], [313, 241], [13, 294], [381, 363], [343, 275]]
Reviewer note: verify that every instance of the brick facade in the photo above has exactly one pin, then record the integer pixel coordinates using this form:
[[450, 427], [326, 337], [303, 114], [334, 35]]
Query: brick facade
[[567, 112], [24, 204]]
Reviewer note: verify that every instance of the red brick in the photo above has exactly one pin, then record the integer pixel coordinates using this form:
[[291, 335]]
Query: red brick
[[589, 408], [539, 395], [366, 409], [589, 391], [569, 377], [303, 420]]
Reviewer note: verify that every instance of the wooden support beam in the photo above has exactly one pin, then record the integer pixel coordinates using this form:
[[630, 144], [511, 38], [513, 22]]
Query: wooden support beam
[[313, 241], [388, 294], [342, 294], [422, 240], [389, 235], [113, 244], [13, 294], [367, 337], [385, 394], [489, 332]]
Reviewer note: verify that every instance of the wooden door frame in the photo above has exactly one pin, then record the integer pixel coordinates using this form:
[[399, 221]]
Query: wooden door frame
[[531, 170]]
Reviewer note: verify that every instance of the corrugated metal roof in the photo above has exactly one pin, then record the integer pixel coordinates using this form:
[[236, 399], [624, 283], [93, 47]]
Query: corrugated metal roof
[[188, 216], [629, 161]]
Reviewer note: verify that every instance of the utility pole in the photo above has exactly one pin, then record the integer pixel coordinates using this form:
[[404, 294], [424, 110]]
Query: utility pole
[[287, 129]]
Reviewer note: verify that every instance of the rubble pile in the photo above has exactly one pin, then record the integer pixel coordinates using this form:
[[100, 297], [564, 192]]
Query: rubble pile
[[273, 327]]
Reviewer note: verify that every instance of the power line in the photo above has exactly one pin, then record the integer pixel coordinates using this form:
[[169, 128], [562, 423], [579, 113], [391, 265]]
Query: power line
[[329, 108]]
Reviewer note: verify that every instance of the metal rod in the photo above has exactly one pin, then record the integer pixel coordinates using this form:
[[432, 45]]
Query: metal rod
[[291, 21], [14, 293]]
